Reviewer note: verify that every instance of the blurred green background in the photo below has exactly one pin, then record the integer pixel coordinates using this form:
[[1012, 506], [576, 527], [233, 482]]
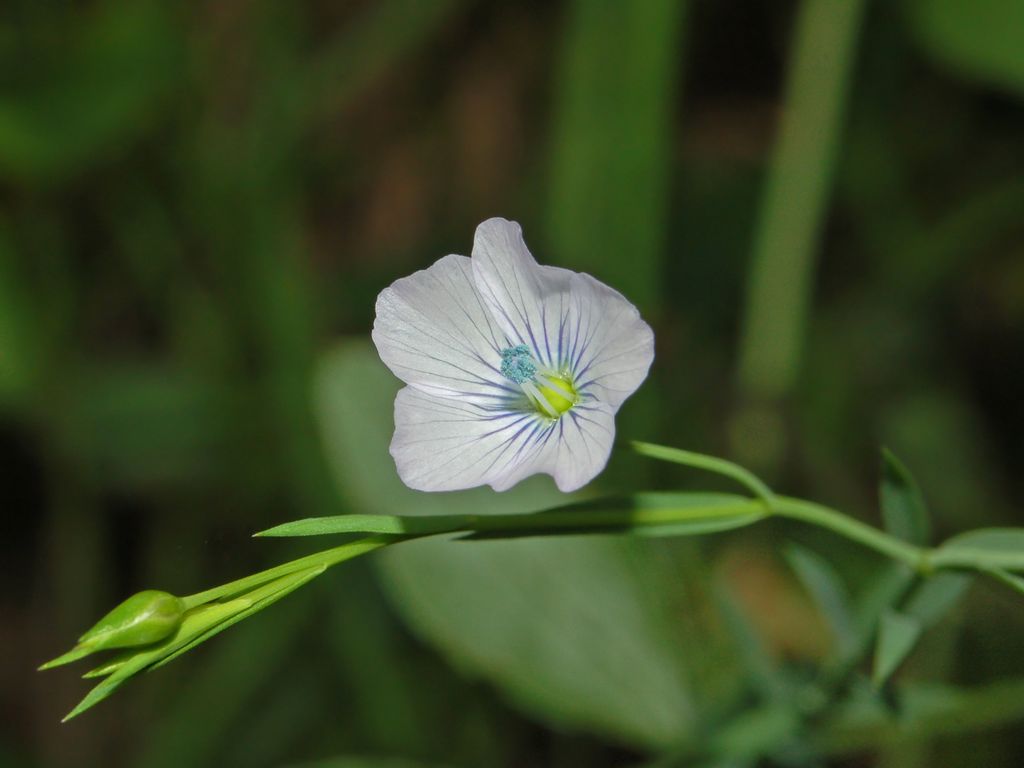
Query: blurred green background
[[819, 205]]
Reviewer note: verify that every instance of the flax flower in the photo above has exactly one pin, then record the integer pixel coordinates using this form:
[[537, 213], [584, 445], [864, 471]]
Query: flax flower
[[513, 368]]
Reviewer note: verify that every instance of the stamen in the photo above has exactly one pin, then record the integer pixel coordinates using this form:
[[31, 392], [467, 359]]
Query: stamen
[[551, 392], [517, 364]]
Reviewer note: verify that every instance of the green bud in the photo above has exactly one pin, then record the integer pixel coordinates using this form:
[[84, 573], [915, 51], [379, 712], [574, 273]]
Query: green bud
[[143, 618]]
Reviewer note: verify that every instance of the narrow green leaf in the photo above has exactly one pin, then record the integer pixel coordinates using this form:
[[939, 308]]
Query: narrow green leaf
[[76, 653], [110, 666], [927, 711], [199, 625], [708, 463], [329, 557], [903, 508], [1009, 579], [387, 524], [196, 622], [897, 634], [644, 514], [936, 597], [825, 586], [260, 599], [766, 675], [756, 732], [1000, 548], [885, 589]]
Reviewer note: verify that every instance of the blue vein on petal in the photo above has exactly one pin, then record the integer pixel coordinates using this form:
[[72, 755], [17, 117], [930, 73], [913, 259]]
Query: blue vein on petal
[[458, 344], [503, 446], [459, 450]]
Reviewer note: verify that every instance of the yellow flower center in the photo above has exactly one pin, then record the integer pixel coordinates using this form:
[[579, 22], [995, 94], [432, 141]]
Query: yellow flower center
[[557, 392]]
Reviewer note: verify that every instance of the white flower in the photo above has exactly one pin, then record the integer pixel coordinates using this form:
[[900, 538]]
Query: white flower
[[513, 368]]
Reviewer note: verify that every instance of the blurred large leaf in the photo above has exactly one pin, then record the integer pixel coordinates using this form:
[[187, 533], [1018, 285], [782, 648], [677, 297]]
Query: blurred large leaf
[[980, 39], [83, 99], [564, 626]]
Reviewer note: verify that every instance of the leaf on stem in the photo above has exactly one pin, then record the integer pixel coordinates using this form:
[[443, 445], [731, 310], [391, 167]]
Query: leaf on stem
[[983, 550], [767, 677], [825, 586], [709, 463], [1009, 579], [936, 597], [903, 507], [641, 514], [380, 524], [897, 634]]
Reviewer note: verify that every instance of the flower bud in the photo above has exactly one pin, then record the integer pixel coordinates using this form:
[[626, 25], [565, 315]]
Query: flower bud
[[144, 618]]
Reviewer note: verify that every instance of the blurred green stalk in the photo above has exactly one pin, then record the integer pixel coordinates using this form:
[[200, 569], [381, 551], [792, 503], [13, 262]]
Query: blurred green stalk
[[610, 168], [795, 198], [611, 153]]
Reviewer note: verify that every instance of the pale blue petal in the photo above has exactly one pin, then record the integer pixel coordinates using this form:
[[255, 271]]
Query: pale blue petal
[[586, 433], [529, 302], [433, 332], [612, 347], [572, 321], [444, 444]]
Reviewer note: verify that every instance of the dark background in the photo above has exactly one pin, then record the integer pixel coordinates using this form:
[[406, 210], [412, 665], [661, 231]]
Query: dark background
[[819, 206]]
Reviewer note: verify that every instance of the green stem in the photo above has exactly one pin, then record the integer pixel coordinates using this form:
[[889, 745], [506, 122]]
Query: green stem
[[848, 527], [796, 509]]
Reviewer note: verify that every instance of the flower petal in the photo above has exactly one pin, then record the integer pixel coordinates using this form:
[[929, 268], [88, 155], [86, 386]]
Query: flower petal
[[612, 348], [528, 301], [433, 332], [447, 444], [586, 435], [572, 321]]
